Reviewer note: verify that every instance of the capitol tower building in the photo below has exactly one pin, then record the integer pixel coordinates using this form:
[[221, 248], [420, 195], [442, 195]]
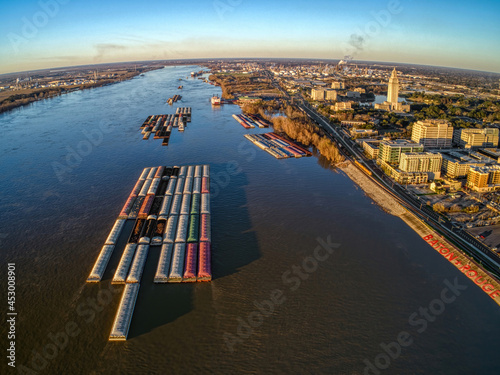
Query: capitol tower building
[[393, 88], [392, 104]]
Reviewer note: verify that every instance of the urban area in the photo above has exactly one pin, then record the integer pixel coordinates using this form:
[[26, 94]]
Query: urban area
[[432, 133]]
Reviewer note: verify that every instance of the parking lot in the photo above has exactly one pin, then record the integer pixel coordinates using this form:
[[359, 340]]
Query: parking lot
[[490, 233]]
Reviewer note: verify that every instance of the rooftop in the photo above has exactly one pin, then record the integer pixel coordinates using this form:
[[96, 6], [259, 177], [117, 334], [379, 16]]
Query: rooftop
[[492, 151], [486, 168], [464, 157], [400, 142], [433, 122], [420, 154]]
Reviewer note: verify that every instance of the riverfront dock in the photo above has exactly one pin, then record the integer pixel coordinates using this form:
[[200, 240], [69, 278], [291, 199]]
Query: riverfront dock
[[169, 207], [161, 126], [277, 146]]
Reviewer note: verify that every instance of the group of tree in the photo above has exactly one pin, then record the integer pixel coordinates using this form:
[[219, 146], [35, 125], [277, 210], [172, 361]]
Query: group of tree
[[450, 107], [297, 126], [241, 84], [441, 208]]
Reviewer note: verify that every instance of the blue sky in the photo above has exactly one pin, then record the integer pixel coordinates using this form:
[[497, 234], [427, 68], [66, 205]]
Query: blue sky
[[53, 33]]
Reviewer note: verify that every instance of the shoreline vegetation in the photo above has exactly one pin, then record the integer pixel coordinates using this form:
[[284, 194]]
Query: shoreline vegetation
[[296, 126], [24, 97], [238, 84]]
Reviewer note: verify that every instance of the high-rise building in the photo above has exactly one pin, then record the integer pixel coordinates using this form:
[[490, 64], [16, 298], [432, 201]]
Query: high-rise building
[[457, 162], [393, 88], [484, 178], [342, 106], [392, 103], [371, 149], [390, 151], [318, 94], [473, 138], [330, 94], [433, 133], [339, 85], [422, 162]]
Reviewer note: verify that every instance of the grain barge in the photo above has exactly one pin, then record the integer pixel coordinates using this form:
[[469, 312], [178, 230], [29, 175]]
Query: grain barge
[[123, 318], [161, 126], [168, 206], [277, 146]]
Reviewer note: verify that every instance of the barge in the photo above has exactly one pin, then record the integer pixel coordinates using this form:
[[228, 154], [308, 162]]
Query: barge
[[160, 126], [123, 318], [171, 209], [278, 146], [163, 269], [101, 264], [138, 264]]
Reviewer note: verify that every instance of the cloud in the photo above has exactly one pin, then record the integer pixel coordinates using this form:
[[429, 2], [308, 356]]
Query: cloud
[[59, 58], [104, 49], [357, 41]]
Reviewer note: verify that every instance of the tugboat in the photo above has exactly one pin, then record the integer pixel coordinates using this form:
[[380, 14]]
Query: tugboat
[[216, 100]]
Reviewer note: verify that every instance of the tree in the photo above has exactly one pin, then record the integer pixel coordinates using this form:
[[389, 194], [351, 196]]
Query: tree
[[439, 208]]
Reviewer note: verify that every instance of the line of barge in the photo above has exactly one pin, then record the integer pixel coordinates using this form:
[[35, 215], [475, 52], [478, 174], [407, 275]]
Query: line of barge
[[251, 121], [278, 146], [170, 207], [161, 126]]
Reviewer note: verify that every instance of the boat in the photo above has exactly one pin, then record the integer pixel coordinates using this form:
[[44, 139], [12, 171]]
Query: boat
[[216, 100], [180, 87]]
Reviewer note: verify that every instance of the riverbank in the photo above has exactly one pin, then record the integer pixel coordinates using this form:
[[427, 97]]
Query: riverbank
[[475, 272], [238, 84], [13, 99], [384, 200]]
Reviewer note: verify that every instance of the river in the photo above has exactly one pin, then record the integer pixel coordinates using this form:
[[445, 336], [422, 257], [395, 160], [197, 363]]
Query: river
[[310, 276]]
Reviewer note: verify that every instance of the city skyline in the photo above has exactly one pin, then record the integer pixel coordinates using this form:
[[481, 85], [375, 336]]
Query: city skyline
[[55, 33]]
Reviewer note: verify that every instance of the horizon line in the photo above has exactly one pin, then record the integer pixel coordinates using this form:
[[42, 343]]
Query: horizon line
[[252, 58]]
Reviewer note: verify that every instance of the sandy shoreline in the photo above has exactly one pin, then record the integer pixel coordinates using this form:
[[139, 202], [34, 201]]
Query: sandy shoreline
[[385, 201]]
